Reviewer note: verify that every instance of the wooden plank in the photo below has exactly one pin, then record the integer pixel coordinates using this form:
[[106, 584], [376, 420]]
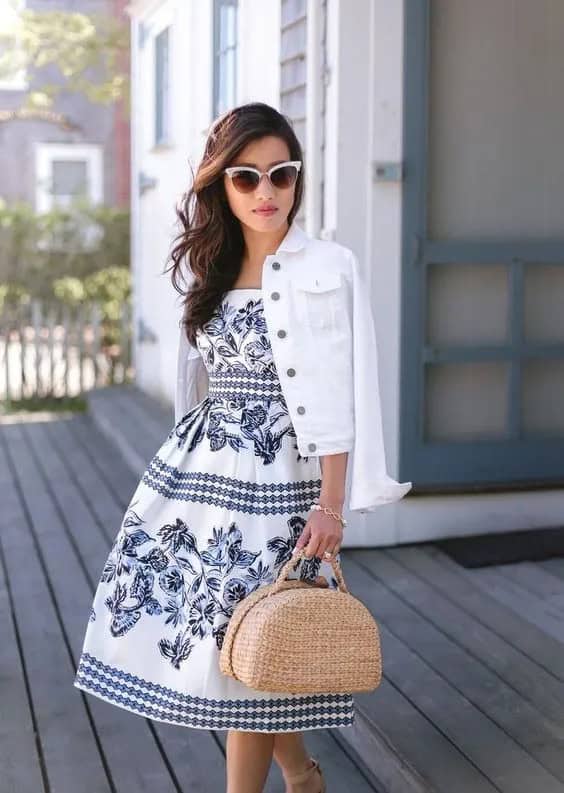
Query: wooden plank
[[163, 413], [119, 427], [143, 419], [547, 617], [37, 322], [6, 325], [24, 390], [194, 756], [406, 751], [414, 620], [80, 322], [50, 352], [137, 761], [96, 340], [120, 479], [528, 678], [68, 747], [554, 567], [535, 579], [19, 759], [446, 576], [105, 482], [488, 746], [66, 323]]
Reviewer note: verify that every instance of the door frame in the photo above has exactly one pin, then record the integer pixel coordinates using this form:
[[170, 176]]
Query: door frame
[[460, 466]]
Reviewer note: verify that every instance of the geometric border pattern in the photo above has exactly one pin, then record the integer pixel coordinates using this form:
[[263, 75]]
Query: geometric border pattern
[[155, 701], [275, 498]]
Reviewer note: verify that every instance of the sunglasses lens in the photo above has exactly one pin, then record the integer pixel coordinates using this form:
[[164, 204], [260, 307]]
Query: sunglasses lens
[[284, 177], [245, 181]]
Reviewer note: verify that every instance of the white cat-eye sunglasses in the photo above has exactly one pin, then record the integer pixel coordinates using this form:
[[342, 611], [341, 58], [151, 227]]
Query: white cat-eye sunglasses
[[245, 178]]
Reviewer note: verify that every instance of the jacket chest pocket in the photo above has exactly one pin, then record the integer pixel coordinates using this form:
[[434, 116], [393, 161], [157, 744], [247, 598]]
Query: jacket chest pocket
[[321, 301]]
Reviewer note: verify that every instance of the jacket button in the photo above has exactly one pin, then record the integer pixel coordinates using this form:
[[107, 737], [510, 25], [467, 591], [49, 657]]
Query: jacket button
[[281, 333], [275, 265], [275, 295], [312, 447], [290, 372], [301, 409]]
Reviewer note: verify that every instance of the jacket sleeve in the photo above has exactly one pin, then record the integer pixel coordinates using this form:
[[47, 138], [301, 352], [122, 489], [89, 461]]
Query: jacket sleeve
[[192, 380], [371, 486]]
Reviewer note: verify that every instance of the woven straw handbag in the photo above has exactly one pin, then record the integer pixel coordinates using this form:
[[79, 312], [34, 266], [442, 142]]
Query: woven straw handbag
[[298, 637]]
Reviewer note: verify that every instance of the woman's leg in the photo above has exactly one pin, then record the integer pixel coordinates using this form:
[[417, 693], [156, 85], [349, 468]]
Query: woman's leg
[[291, 754], [248, 756]]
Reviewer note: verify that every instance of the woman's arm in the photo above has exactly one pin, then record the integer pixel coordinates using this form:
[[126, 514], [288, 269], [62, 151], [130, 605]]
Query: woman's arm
[[322, 532], [334, 470]]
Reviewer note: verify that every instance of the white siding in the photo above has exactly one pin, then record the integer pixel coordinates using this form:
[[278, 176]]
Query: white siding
[[157, 305]]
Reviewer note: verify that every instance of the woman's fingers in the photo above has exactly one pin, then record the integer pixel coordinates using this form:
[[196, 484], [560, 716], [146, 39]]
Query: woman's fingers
[[318, 546], [302, 539], [316, 542]]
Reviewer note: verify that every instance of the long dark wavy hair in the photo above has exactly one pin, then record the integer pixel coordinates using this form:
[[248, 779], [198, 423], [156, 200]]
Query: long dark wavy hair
[[211, 241]]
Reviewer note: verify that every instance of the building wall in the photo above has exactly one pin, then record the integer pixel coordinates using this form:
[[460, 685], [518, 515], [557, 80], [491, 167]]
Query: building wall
[[346, 101], [157, 307], [309, 74], [293, 64], [303, 76], [362, 122]]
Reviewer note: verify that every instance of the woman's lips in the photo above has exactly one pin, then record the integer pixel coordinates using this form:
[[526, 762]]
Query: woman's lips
[[266, 211]]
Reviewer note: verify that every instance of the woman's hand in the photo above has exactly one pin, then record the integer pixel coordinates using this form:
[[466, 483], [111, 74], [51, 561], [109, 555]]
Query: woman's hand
[[321, 533]]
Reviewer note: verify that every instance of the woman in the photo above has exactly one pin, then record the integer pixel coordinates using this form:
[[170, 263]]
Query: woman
[[228, 497]]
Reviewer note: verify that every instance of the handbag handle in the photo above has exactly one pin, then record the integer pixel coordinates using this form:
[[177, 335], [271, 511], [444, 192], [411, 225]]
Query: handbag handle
[[285, 569]]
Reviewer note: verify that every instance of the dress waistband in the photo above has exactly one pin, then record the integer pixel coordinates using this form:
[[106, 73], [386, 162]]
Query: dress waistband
[[233, 384]]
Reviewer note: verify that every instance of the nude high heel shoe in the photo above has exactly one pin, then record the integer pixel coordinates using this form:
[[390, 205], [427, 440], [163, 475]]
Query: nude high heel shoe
[[305, 776]]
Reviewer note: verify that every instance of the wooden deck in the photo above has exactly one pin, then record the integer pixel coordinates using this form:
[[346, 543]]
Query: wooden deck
[[472, 699]]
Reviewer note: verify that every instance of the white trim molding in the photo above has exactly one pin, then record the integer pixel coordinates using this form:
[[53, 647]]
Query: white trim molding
[[46, 153]]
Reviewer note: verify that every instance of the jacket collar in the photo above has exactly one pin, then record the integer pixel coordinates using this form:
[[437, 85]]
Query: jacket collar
[[295, 239]]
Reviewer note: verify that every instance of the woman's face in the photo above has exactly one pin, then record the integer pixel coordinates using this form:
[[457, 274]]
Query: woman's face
[[261, 154]]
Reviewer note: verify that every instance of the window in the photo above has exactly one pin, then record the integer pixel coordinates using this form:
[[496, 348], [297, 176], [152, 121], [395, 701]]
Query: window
[[162, 86], [225, 55], [65, 172], [12, 70], [69, 180]]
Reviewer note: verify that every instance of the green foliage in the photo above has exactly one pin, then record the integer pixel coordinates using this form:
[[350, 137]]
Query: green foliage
[[110, 287], [40, 252], [12, 295], [67, 257], [62, 404], [90, 51], [69, 290]]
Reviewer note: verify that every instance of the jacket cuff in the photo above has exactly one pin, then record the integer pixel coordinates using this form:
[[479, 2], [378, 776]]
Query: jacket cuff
[[383, 491], [322, 449]]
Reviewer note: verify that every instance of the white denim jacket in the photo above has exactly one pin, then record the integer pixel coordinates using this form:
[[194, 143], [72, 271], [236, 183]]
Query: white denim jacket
[[321, 330]]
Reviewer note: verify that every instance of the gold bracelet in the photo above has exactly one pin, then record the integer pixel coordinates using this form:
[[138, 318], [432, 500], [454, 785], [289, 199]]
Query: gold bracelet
[[332, 513]]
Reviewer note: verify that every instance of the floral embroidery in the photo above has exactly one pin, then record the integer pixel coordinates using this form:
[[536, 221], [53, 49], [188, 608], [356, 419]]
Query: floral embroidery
[[193, 590], [200, 534], [235, 340], [237, 334]]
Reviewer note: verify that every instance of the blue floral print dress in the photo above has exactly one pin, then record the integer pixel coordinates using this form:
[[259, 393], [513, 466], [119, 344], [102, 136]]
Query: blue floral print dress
[[215, 515]]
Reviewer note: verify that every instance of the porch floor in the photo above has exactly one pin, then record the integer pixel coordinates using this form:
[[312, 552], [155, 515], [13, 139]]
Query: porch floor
[[472, 698]]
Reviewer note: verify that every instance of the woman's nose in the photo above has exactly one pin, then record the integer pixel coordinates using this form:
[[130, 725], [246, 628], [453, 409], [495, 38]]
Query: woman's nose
[[264, 187]]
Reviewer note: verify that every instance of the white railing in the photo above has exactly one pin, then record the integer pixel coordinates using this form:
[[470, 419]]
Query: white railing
[[51, 350]]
